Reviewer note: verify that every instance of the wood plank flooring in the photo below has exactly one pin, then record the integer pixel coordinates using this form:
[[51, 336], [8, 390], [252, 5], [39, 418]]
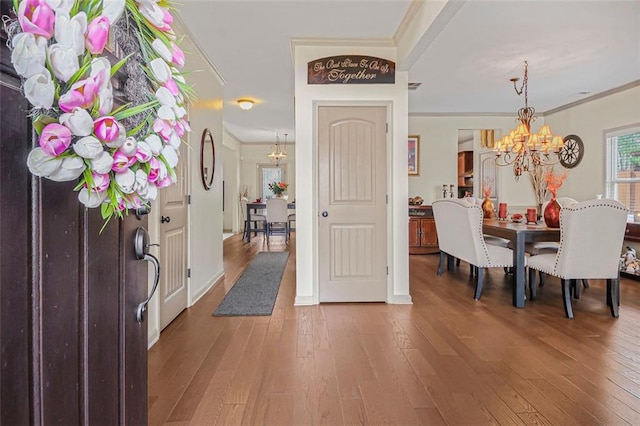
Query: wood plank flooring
[[446, 359]]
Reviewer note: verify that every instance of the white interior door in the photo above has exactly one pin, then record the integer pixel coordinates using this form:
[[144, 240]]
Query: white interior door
[[352, 240], [173, 244]]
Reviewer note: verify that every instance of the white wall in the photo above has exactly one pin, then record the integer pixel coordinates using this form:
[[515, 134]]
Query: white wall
[[233, 178], [589, 121], [307, 99], [205, 211]]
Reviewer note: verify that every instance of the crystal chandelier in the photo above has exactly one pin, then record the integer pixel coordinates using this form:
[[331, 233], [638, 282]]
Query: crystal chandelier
[[522, 148], [278, 155]]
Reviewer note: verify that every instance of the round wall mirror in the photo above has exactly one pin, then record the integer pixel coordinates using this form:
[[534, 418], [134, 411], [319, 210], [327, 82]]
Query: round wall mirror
[[207, 159]]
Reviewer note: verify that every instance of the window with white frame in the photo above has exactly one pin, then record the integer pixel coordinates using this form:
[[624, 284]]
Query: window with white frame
[[623, 167], [269, 173]]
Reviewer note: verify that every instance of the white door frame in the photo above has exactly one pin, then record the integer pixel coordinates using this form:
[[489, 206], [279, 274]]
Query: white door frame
[[389, 154]]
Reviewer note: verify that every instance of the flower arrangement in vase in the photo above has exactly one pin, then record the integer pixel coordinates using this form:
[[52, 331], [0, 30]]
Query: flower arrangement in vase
[[278, 188], [120, 155], [488, 211], [552, 211]]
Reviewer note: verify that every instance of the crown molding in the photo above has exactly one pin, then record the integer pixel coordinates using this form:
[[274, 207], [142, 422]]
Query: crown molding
[[592, 98]]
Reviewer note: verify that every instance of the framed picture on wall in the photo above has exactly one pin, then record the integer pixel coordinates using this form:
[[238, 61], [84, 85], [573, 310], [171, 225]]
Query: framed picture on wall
[[414, 155]]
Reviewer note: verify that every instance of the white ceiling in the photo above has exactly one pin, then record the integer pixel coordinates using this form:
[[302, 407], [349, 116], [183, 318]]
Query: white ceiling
[[575, 49]]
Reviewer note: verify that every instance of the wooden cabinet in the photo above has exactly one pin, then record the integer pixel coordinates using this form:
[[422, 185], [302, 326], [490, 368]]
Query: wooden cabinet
[[423, 238], [465, 167]]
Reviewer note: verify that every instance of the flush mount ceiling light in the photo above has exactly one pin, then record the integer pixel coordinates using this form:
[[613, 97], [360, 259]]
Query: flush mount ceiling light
[[245, 104]]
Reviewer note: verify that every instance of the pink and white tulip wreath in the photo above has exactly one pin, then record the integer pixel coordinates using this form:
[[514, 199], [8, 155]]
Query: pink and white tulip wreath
[[121, 154]]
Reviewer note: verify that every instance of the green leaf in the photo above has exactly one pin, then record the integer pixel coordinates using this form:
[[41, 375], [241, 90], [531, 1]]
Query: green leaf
[[136, 110], [116, 67], [41, 121]]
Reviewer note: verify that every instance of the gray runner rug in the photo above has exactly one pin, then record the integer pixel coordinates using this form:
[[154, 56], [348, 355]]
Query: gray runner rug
[[255, 291]]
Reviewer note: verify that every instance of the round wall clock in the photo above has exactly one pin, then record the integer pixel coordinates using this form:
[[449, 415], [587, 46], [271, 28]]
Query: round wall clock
[[572, 152]]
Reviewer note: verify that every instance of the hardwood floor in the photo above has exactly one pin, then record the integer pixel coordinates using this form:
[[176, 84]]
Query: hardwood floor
[[446, 359]]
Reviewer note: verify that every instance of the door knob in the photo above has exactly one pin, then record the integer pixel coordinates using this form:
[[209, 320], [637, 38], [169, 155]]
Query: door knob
[[141, 246], [325, 213], [166, 219]]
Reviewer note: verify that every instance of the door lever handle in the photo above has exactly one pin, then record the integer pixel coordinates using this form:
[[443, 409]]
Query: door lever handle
[[141, 245], [164, 219]]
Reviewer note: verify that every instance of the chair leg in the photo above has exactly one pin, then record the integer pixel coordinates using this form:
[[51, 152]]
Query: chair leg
[[449, 262], [541, 279], [566, 296], [479, 282], [472, 269], [613, 296], [458, 261], [532, 284], [441, 264], [576, 289], [585, 283]]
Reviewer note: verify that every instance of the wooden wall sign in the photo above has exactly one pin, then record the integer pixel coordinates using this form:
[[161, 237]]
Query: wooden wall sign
[[351, 69]]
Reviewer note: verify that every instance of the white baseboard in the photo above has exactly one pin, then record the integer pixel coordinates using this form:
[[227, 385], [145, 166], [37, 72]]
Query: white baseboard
[[401, 299], [202, 291], [305, 301], [153, 338]]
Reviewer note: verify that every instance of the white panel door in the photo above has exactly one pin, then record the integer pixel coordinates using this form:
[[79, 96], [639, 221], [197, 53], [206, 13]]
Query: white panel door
[[173, 244], [352, 250]]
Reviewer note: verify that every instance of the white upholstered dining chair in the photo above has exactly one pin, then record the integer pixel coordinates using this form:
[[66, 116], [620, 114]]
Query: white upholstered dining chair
[[591, 237], [277, 218], [459, 227]]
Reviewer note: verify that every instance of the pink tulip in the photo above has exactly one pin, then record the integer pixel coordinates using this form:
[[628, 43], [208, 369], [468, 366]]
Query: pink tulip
[[167, 20], [82, 94], [100, 182], [163, 183], [97, 34], [55, 139], [177, 55], [106, 128], [130, 202], [163, 128], [121, 162], [36, 17], [154, 171], [172, 86]]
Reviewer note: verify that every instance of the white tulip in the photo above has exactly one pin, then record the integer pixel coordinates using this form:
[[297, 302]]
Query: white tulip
[[102, 163], [170, 155], [28, 54], [101, 71], [60, 6], [42, 164], [129, 147], [89, 147], [113, 9], [70, 32], [126, 180], [165, 97], [105, 99], [162, 50], [142, 182], [155, 143], [91, 199], [79, 122], [151, 193], [160, 70], [179, 111], [166, 113], [64, 61], [174, 140], [153, 13], [162, 171], [39, 89], [70, 169], [179, 78]]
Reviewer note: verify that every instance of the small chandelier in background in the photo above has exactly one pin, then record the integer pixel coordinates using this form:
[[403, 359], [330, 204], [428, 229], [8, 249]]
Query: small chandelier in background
[[278, 155], [522, 148]]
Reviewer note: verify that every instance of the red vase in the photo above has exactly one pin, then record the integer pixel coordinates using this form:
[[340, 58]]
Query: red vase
[[552, 214]]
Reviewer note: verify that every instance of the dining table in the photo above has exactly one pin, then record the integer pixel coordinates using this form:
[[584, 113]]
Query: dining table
[[519, 234], [255, 206]]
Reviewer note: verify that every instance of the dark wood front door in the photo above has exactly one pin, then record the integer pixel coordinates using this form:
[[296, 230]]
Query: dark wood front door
[[72, 351]]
